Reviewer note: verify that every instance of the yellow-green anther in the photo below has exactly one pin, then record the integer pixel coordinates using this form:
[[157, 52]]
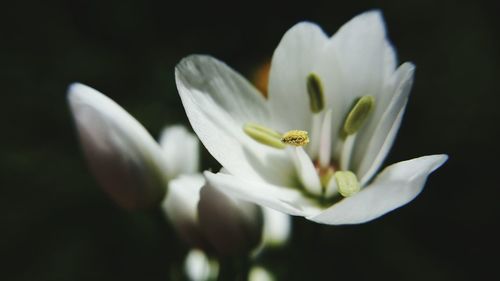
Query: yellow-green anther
[[295, 138], [315, 91], [347, 183], [264, 135], [359, 114]]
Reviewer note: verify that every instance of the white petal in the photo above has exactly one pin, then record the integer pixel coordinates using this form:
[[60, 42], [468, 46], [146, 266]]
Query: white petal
[[390, 60], [283, 199], [277, 228], [374, 143], [218, 103], [231, 226], [181, 207], [292, 62], [306, 171], [122, 155], [352, 65], [359, 47], [181, 149], [397, 185]]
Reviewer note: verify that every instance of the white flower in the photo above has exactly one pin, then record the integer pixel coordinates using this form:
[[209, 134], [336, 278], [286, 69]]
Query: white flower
[[345, 91], [126, 161]]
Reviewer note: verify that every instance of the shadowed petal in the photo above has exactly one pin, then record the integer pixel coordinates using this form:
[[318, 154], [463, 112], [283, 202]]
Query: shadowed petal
[[231, 226], [279, 198], [181, 149], [373, 144], [180, 206]]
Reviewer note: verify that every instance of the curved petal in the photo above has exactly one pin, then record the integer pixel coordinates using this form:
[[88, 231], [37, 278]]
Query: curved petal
[[180, 207], [397, 185], [373, 143], [218, 103], [181, 149], [231, 226], [282, 199], [293, 60], [122, 155]]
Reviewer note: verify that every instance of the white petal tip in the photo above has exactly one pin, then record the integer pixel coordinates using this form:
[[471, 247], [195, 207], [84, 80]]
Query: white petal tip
[[372, 16], [77, 89], [439, 160], [80, 93], [372, 19]]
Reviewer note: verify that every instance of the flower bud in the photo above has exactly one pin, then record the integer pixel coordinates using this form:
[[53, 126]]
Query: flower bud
[[124, 158], [231, 226]]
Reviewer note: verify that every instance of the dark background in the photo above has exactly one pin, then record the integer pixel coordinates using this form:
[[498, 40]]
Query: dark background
[[56, 224]]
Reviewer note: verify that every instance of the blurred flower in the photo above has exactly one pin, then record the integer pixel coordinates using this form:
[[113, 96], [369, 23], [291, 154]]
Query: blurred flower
[[199, 267], [135, 171], [345, 90], [277, 228], [258, 273], [209, 219], [126, 161]]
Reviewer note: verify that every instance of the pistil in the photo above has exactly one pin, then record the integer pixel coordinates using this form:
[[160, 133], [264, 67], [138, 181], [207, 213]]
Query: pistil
[[347, 183]]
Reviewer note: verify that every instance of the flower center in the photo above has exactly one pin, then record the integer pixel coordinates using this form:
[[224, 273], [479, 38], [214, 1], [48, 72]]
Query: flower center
[[330, 172]]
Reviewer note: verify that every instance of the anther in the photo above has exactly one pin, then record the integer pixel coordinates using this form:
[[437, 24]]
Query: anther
[[295, 138], [359, 114], [315, 91]]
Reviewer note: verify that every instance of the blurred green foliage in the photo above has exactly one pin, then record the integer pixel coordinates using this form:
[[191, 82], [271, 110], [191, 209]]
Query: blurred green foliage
[[56, 224]]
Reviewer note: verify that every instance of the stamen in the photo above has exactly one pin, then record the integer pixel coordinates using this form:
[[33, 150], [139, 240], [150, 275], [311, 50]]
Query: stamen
[[358, 114], [295, 138], [346, 152], [264, 135], [315, 91], [347, 183], [325, 143], [306, 170], [313, 147]]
